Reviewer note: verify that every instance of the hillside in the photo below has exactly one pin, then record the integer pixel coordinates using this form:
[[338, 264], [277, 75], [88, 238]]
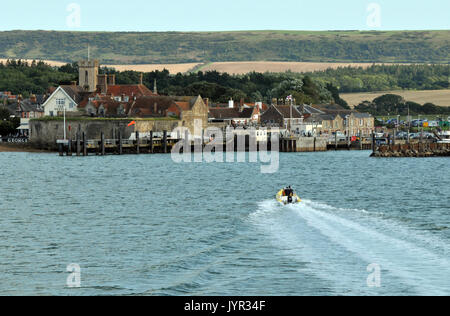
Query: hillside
[[204, 47], [437, 97]]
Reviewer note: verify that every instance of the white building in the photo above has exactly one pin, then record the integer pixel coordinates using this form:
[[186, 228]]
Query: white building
[[64, 97]]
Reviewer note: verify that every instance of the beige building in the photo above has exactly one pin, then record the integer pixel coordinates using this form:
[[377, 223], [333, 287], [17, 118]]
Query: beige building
[[360, 124], [193, 109], [353, 124]]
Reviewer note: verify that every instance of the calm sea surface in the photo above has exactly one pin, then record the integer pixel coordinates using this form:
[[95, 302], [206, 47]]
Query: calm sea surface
[[144, 225]]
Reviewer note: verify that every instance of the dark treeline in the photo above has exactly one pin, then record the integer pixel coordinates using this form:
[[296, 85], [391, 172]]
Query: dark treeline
[[24, 78], [316, 87], [266, 86], [386, 77], [220, 87], [391, 104]]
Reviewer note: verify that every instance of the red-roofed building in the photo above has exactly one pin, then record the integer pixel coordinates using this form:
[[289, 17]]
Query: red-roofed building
[[72, 98]]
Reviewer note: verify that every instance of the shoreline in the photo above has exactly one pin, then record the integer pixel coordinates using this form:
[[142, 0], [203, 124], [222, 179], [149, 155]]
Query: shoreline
[[21, 148]]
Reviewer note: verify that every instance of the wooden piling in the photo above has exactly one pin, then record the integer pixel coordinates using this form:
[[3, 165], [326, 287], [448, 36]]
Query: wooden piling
[[102, 144], [69, 147], [61, 149], [84, 144], [165, 142], [120, 145], [137, 143], [150, 145], [373, 142], [315, 141], [78, 144], [203, 138]]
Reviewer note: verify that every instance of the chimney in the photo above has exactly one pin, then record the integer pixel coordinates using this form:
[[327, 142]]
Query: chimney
[[33, 98], [206, 100], [231, 104], [112, 80], [141, 78], [241, 103], [73, 83], [103, 83], [155, 89]]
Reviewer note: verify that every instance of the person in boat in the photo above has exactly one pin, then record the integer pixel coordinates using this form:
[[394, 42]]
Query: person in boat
[[288, 192]]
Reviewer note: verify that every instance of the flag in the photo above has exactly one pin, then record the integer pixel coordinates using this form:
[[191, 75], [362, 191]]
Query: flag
[[132, 123]]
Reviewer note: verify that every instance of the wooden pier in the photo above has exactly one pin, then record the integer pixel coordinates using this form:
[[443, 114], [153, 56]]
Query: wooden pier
[[83, 147]]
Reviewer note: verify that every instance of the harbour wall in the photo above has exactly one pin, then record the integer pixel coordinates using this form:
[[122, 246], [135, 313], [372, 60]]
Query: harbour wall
[[45, 133], [418, 150], [311, 144]]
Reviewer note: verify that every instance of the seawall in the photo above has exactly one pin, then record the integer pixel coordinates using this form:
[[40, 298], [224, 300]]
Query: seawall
[[311, 144], [413, 150], [45, 133]]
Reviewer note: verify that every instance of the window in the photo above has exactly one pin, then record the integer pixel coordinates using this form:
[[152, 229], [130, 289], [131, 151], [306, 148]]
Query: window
[[60, 102]]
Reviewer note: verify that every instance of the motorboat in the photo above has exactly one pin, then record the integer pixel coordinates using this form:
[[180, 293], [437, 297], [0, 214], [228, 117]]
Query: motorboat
[[287, 196]]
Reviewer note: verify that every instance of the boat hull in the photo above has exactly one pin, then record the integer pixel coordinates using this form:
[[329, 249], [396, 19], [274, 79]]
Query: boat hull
[[284, 200]]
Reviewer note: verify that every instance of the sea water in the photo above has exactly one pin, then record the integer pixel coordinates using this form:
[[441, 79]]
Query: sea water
[[144, 225]]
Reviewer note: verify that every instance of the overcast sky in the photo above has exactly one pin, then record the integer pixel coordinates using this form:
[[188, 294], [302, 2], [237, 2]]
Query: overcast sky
[[213, 15]]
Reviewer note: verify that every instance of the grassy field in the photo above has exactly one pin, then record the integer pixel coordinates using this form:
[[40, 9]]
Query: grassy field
[[238, 68], [117, 48], [172, 68], [272, 66], [438, 97]]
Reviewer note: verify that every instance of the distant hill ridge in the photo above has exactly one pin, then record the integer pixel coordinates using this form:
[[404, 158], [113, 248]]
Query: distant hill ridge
[[204, 47]]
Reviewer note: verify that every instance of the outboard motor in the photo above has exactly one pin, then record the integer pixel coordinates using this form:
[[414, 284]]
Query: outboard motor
[[290, 199]]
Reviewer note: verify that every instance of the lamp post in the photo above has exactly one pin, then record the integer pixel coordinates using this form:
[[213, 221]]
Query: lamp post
[[409, 124], [64, 114]]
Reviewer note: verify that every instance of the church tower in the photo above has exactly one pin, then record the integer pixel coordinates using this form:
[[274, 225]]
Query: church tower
[[88, 74]]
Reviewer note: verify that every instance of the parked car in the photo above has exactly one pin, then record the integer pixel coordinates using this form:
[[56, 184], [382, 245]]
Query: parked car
[[433, 124], [402, 135]]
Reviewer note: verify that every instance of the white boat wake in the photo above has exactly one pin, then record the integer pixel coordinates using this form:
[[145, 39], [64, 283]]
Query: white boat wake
[[338, 245]]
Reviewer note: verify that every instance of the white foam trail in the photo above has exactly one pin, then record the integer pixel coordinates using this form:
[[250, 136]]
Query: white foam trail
[[368, 238]]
